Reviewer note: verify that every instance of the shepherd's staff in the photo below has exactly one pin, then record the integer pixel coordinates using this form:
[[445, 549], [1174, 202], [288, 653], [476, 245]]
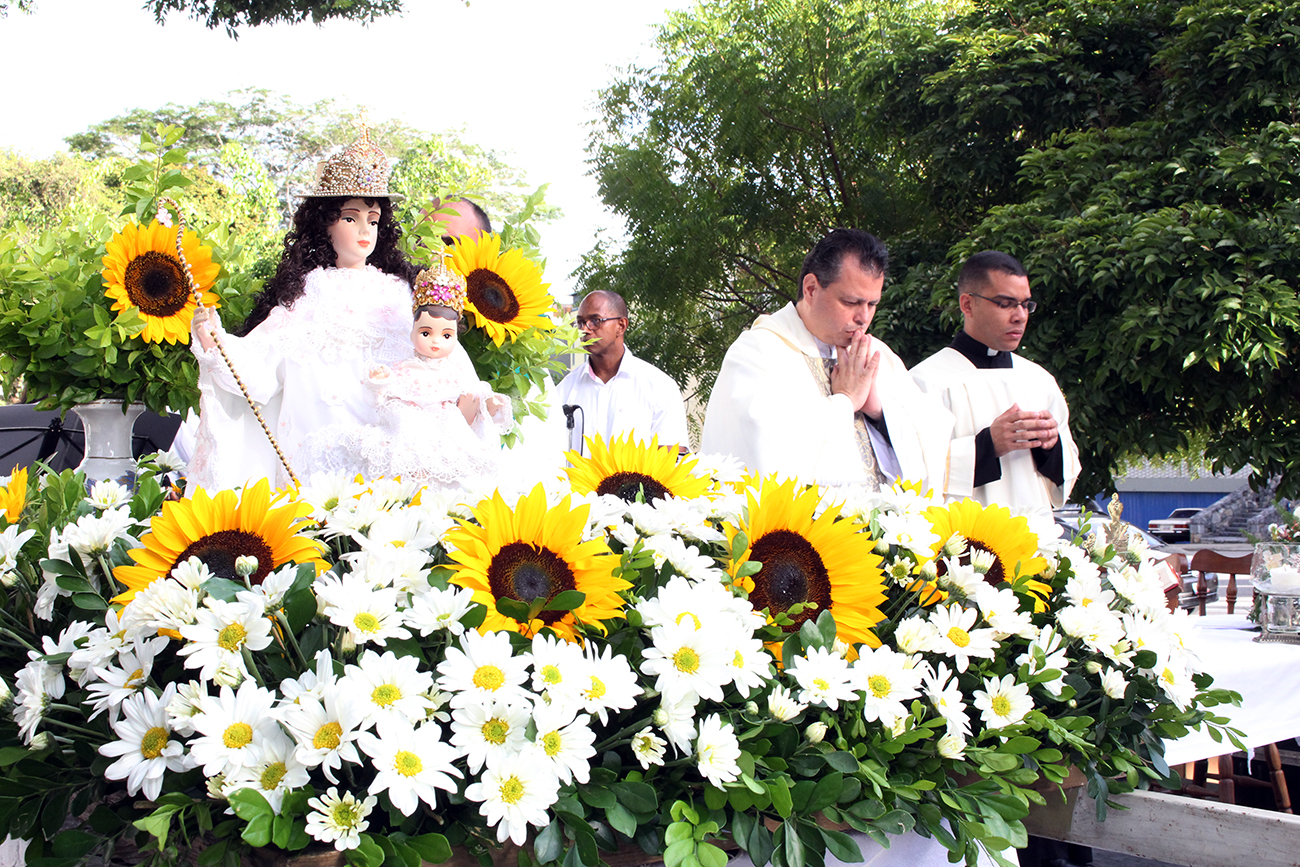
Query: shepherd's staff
[[198, 301]]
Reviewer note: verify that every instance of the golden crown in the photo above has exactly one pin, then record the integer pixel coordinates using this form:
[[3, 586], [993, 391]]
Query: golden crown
[[439, 286], [360, 170]]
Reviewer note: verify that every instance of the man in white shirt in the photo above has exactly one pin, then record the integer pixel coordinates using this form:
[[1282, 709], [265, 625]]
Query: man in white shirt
[[807, 392], [1011, 442], [615, 392]]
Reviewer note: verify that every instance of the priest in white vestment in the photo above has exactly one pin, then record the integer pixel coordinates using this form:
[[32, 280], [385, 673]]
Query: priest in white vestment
[[1011, 443], [807, 392]]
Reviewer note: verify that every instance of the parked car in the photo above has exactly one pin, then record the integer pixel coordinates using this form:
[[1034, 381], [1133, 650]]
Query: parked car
[[1176, 528]]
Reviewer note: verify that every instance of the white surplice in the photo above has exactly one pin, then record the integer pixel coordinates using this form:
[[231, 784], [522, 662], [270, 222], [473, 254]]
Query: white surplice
[[305, 367], [769, 410], [976, 397]]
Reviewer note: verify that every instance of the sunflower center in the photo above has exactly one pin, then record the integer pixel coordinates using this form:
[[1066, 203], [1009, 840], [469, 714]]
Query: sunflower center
[[328, 736], [495, 731], [231, 637], [272, 776], [153, 742], [628, 486], [407, 763], [792, 572], [155, 283], [492, 296], [1001, 705], [551, 675], [879, 685], [551, 742], [529, 572], [959, 636], [512, 789], [996, 574], [237, 736], [489, 677], [385, 694], [366, 622], [219, 550], [686, 660]]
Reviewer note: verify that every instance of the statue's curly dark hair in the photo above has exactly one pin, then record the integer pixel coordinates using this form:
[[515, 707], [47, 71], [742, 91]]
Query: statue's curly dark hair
[[307, 246]]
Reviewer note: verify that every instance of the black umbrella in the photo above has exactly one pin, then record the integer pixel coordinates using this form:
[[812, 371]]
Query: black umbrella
[[28, 435]]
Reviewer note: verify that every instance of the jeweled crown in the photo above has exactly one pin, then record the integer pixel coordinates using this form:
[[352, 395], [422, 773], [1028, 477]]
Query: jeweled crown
[[360, 170], [439, 286]]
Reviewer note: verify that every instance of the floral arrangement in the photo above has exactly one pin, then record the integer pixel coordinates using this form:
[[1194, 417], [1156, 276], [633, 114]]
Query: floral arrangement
[[101, 308], [1287, 531], [654, 652]]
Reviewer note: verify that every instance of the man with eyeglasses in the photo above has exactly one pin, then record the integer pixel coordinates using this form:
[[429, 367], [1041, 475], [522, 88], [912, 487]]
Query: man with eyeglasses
[[1011, 444], [614, 391]]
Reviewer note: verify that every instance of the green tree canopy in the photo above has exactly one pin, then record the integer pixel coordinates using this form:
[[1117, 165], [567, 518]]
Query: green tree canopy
[[1141, 159], [234, 14]]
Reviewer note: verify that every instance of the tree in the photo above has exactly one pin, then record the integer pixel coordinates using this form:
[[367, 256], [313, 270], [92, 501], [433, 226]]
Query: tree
[[728, 159], [234, 14], [1141, 159]]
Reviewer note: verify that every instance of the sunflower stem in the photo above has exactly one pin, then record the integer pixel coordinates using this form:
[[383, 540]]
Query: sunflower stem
[[251, 666], [99, 736], [16, 637], [293, 640]]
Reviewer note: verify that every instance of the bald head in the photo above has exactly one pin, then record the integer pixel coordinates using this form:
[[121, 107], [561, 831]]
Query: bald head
[[464, 219], [612, 302]]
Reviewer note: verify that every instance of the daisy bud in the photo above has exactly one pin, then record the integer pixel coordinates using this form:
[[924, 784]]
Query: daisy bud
[[6, 694], [40, 742], [1092, 666], [659, 717], [1050, 572], [245, 565], [952, 746], [929, 570], [882, 547], [217, 787], [229, 675], [1072, 703], [815, 732], [347, 644], [9, 579], [751, 708], [982, 561], [782, 706], [955, 546]]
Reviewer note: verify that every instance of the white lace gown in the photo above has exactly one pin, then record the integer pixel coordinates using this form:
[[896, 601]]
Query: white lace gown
[[305, 367], [421, 434]]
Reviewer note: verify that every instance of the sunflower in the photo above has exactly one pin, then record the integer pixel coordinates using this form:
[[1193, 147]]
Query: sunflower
[[141, 270], [530, 552], [504, 291], [991, 528], [625, 468], [13, 496], [217, 530], [827, 561]]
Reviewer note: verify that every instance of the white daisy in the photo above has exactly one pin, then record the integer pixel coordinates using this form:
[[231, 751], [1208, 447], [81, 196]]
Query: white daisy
[[192, 573], [310, 682], [12, 541], [1002, 702], [1052, 646], [824, 678], [956, 636], [221, 632], [687, 662], [611, 683], [339, 819], [145, 749], [952, 745], [129, 676], [433, 610], [515, 794], [648, 748], [751, 665], [485, 668], [489, 732], [945, 696], [389, 688], [1000, 608], [560, 671], [915, 635], [326, 729], [326, 492], [411, 763], [368, 613], [231, 727], [782, 706], [677, 720], [108, 494], [162, 608], [1113, 683], [887, 680], [187, 701], [277, 772], [94, 535], [717, 751], [564, 741]]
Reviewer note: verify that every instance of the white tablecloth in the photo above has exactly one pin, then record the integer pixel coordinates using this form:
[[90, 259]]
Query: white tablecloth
[[1266, 675]]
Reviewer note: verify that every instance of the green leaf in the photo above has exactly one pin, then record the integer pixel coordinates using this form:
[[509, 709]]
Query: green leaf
[[637, 797], [842, 761], [566, 600], [257, 832], [597, 796], [549, 844], [435, 849], [841, 845], [710, 855], [367, 854], [249, 804], [621, 820], [778, 788], [512, 608]]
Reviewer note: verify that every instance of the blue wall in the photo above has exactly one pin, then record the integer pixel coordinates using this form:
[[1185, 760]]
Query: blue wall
[[1142, 506]]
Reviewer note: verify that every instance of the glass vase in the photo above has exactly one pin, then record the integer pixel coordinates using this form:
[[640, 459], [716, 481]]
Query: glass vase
[[108, 429]]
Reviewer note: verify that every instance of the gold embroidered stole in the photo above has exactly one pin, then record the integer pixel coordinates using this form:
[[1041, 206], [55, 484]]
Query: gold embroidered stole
[[821, 368]]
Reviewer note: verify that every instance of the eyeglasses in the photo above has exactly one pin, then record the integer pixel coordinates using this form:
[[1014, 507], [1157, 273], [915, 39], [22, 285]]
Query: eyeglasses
[[1029, 304], [591, 323]]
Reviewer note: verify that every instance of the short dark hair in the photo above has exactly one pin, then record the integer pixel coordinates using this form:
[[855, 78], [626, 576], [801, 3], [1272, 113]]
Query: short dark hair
[[975, 273], [438, 311], [826, 259], [615, 301], [479, 214]]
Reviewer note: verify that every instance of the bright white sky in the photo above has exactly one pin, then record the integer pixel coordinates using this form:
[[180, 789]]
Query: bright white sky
[[75, 62]]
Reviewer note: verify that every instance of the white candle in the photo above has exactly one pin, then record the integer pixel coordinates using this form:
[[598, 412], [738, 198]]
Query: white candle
[[1285, 579]]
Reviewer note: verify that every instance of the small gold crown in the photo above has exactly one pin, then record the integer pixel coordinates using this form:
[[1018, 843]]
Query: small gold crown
[[439, 286], [360, 170]]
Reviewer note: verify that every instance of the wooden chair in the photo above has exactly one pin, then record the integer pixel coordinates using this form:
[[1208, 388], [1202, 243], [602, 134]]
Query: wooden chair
[[1212, 561]]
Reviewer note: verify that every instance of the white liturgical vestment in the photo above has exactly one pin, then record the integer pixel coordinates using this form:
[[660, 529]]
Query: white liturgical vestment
[[639, 399], [771, 411], [976, 397]]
